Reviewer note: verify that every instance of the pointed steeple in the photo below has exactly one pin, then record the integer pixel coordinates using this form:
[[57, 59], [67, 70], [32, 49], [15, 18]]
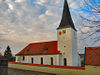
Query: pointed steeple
[[66, 18]]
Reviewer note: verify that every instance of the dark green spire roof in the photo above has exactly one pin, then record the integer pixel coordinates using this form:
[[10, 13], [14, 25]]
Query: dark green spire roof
[[66, 18]]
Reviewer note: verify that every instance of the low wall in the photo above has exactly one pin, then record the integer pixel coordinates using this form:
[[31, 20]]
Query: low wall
[[3, 67], [58, 70]]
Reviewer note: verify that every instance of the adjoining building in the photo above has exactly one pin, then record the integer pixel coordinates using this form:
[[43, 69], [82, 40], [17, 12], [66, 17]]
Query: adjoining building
[[92, 56], [60, 52]]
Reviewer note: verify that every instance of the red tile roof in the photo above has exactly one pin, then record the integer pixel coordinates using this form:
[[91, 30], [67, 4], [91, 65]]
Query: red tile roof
[[40, 48], [92, 56]]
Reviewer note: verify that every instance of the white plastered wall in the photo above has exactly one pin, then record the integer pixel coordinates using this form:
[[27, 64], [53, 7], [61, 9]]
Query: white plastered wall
[[75, 56], [37, 59], [67, 45]]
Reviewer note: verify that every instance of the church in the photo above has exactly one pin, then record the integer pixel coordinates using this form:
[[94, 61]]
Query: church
[[62, 52]]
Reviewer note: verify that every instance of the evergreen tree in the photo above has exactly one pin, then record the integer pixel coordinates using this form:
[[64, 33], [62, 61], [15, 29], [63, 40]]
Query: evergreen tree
[[7, 52]]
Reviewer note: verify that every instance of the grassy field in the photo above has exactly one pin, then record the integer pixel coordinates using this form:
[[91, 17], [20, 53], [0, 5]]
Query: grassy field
[[12, 71]]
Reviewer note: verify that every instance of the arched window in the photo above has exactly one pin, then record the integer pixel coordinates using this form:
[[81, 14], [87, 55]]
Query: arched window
[[23, 58], [65, 61], [32, 60], [51, 60], [41, 60], [64, 31]]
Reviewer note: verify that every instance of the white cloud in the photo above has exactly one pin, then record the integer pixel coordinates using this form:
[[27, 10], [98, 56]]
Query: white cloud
[[10, 6], [85, 29], [41, 2], [29, 23], [48, 12], [18, 1], [26, 22], [74, 5]]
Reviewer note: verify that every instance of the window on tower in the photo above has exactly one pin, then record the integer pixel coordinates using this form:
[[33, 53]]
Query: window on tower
[[64, 31], [65, 61], [64, 46]]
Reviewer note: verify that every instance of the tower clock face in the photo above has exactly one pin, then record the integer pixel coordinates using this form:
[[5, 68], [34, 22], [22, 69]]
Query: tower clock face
[[60, 33]]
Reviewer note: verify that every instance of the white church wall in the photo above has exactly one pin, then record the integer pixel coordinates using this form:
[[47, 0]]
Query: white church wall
[[61, 60], [75, 56], [37, 59], [65, 45], [17, 58]]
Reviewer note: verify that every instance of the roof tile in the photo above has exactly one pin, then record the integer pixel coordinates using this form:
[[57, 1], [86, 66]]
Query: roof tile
[[40, 48], [92, 56]]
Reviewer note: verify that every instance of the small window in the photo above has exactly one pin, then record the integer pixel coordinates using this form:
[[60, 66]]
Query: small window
[[51, 60], [32, 60], [45, 48], [27, 49], [64, 46], [65, 62], [41, 60], [64, 31], [23, 58], [60, 33]]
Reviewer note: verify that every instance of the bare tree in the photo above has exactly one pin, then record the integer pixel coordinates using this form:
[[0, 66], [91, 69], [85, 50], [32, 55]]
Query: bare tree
[[92, 9]]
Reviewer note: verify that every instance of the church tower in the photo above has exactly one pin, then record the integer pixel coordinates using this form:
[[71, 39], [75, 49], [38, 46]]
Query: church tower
[[67, 39]]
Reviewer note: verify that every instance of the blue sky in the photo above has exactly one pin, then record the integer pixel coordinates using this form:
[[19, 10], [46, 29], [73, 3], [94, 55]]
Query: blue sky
[[26, 21]]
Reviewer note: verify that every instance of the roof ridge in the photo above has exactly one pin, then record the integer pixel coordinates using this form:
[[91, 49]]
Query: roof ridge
[[92, 47], [43, 42]]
